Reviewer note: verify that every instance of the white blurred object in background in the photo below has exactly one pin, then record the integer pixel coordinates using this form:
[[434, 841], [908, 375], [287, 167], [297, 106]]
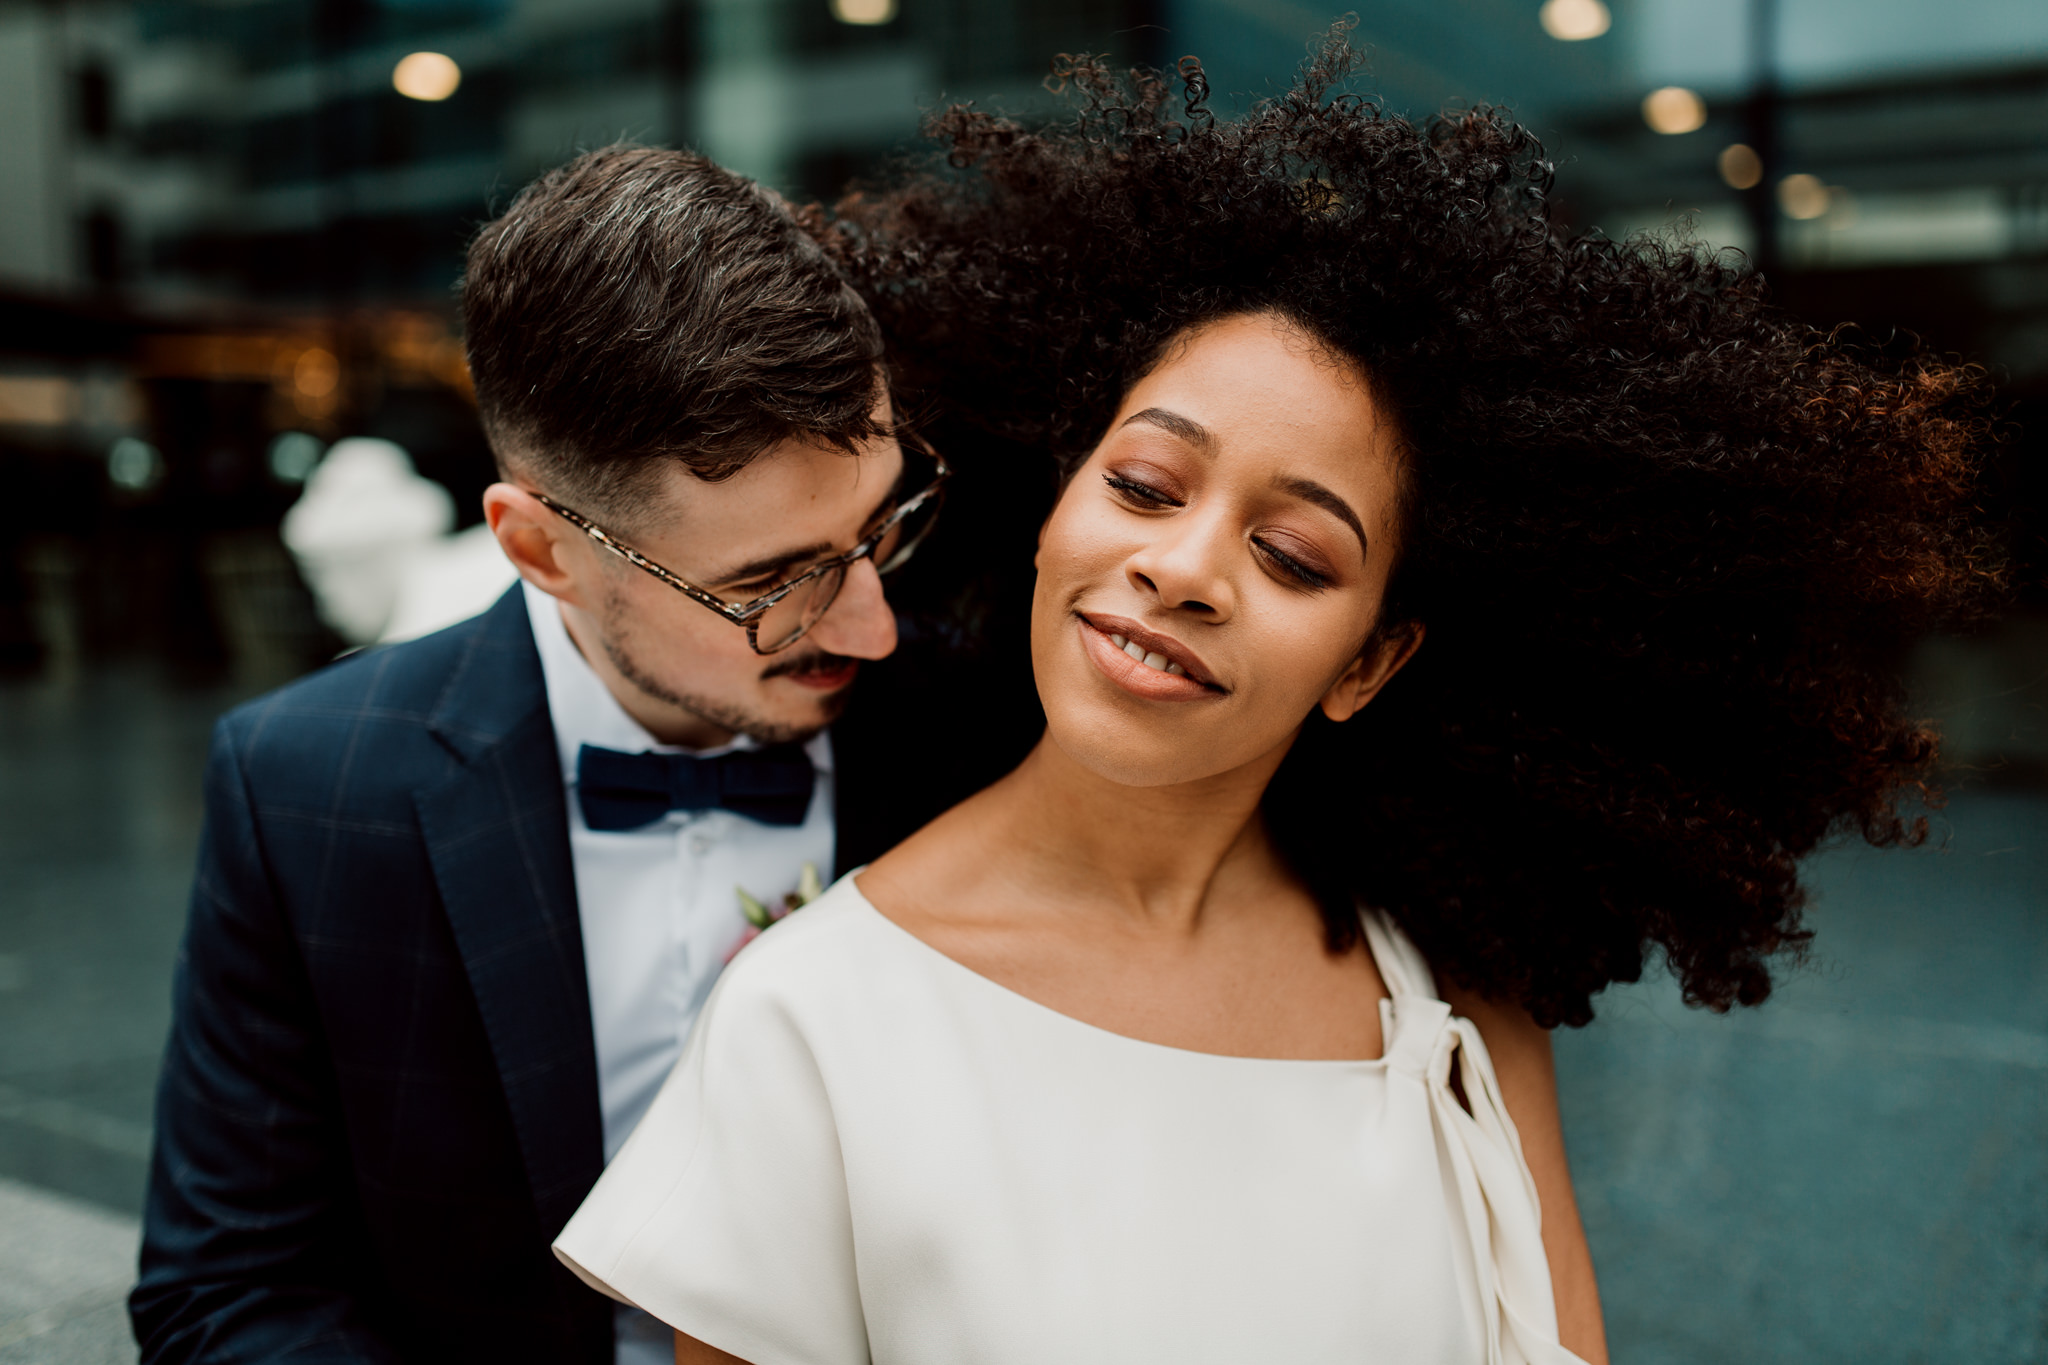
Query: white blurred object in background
[[449, 580], [371, 540]]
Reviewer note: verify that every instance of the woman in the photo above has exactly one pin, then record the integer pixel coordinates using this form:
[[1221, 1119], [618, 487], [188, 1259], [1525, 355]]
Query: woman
[[1437, 615]]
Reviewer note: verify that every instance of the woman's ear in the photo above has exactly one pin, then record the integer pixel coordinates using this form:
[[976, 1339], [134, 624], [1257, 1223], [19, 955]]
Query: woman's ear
[[1370, 671]]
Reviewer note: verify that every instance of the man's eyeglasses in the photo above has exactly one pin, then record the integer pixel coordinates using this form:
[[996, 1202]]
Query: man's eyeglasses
[[778, 619]]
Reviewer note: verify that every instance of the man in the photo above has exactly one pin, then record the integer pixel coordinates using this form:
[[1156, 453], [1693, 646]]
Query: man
[[459, 900]]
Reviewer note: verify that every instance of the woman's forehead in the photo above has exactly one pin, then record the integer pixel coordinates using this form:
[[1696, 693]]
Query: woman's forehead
[[1257, 385]]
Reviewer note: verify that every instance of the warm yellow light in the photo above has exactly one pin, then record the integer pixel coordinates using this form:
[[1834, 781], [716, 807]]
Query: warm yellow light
[[316, 373], [1740, 166], [1803, 196], [1574, 21], [863, 11], [37, 402], [426, 76], [1674, 109]]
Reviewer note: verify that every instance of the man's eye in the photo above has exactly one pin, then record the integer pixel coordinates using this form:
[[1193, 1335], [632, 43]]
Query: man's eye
[[1138, 492]]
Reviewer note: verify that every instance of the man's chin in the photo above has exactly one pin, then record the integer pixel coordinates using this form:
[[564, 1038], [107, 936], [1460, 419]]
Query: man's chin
[[829, 706], [794, 721], [787, 707]]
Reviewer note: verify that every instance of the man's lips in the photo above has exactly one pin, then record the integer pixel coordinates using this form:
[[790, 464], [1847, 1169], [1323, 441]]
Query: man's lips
[[824, 675], [1148, 677]]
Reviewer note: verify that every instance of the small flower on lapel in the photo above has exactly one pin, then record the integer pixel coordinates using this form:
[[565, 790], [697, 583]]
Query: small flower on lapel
[[760, 914]]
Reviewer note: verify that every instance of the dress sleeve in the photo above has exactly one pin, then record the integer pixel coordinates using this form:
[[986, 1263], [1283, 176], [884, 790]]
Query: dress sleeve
[[726, 1214]]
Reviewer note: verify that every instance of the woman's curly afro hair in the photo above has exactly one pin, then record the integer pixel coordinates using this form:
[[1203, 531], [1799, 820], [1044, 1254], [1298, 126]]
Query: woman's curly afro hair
[[1668, 544]]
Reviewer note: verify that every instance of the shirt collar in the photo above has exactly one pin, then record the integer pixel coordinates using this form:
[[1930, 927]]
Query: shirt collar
[[584, 711]]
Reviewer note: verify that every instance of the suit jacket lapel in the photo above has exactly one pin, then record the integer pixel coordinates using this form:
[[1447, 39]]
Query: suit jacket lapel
[[497, 834]]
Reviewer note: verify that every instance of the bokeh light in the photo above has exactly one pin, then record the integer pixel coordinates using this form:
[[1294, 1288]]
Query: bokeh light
[[1741, 168], [316, 373], [293, 455], [863, 11], [1574, 21], [1803, 196], [134, 465], [426, 76], [1674, 109]]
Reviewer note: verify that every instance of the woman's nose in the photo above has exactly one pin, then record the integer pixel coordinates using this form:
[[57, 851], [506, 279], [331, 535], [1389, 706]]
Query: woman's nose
[[1187, 565]]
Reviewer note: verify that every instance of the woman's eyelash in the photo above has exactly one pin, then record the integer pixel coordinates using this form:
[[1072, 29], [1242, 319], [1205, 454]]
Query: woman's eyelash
[[1142, 492], [1293, 567], [1286, 563]]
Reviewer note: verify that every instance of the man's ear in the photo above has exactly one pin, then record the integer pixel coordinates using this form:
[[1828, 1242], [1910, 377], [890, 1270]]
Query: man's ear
[[536, 540], [1371, 671]]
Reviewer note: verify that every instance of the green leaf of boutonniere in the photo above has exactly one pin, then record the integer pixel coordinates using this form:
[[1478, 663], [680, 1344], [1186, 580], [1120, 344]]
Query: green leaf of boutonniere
[[757, 913], [760, 914]]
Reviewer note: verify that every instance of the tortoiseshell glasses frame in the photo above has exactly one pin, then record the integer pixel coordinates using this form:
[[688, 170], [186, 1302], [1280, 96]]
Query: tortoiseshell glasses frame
[[813, 591]]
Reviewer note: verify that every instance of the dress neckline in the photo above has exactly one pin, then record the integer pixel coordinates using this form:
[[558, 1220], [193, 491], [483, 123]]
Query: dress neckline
[[1019, 1001]]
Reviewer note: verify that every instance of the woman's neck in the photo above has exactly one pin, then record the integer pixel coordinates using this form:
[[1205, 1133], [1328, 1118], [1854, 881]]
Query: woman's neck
[[1159, 856]]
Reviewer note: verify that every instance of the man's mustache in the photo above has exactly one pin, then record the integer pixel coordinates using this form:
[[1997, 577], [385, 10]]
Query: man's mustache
[[809, 663]]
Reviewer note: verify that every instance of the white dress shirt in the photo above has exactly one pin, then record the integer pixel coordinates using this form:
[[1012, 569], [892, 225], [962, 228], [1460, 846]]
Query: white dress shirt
[[659, 905]]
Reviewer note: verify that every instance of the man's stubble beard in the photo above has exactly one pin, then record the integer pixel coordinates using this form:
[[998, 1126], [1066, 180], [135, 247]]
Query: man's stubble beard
[[613, 638]]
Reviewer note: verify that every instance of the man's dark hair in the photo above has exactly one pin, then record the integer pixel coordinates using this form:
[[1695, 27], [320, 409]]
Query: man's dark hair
[[638, 306]]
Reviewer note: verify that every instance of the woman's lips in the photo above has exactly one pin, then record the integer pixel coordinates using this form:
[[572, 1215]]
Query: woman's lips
[[1134, 676]]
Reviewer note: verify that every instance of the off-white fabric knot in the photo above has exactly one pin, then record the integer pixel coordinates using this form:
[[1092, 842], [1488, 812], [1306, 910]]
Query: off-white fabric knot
[[1496, 1195]]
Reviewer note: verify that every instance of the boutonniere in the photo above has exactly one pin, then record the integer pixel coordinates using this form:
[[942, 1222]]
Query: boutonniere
[[760, 914]]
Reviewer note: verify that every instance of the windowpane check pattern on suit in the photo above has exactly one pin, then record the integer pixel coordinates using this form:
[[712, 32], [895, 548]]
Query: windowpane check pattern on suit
[[381, 1096]]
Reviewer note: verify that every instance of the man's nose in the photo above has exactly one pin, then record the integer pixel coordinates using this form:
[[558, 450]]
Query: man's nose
[[859, 624]]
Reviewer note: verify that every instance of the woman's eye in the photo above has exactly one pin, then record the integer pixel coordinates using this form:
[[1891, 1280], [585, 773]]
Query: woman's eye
[[1138, 492], [1292, 567]]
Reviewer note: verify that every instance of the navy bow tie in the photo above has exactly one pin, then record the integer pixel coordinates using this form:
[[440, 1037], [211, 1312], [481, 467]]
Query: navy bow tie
[[627, 791]]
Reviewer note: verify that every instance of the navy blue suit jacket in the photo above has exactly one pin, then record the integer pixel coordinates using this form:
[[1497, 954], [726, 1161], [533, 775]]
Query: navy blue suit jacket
[[379, 1100]]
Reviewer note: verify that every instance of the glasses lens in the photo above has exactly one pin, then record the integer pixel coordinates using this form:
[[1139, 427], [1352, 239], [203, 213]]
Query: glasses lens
[[904, 537], [784, 623]]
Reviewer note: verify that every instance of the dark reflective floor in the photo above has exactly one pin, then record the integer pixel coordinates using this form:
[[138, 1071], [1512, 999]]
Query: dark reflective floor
[[1857, 1171], [99, 820]]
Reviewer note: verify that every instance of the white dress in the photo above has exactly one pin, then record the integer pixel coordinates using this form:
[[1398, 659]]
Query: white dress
[[871, 1152]]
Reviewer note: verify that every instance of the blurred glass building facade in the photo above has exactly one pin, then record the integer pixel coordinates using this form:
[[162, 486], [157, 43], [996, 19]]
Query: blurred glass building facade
[[197, 150]]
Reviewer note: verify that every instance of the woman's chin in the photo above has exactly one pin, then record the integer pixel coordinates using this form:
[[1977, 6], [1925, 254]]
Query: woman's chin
[[1135, 754]]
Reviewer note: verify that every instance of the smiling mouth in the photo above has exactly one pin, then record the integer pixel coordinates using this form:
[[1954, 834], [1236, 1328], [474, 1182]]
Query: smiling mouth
[[1146, 662], [1152, 659]]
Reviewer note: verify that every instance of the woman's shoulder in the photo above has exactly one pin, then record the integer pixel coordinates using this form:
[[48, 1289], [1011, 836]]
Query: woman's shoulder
[[1401, 964], [839, 941]]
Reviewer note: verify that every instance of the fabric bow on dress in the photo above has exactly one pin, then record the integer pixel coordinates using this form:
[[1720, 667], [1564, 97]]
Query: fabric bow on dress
[[1496, 1195]]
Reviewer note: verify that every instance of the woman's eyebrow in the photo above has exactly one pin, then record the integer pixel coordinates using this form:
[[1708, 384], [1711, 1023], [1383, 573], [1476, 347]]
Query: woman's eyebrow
[[1308, 490], [1187, 428]]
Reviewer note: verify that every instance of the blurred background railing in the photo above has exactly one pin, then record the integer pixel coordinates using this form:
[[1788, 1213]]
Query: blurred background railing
[[236, 437]]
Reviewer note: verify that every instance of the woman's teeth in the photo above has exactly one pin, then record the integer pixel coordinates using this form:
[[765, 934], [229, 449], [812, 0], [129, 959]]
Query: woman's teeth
[[1152, 660]]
